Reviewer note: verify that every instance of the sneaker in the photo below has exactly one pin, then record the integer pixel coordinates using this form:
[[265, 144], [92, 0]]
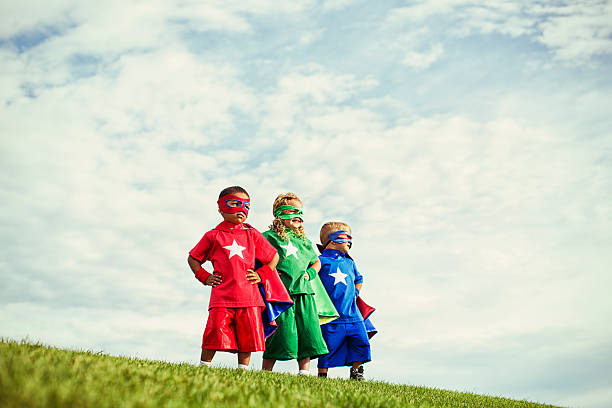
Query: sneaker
[[323, 375], [357, 373]]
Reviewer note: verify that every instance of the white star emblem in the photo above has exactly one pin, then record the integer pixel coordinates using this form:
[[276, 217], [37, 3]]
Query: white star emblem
[[290, 250], [235, 249], [339, 277]]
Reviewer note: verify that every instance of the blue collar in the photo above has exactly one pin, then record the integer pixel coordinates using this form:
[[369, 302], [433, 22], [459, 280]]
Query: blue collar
[[333, 253]]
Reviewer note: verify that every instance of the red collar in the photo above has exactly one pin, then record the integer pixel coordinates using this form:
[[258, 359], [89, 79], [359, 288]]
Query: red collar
[[228, 226]]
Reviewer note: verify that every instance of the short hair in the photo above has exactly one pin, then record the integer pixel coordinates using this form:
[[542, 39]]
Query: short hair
[[330, 227], [233, 190]]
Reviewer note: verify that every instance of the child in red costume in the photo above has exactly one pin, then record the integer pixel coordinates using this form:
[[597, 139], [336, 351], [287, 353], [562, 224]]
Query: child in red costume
[[234, 320]]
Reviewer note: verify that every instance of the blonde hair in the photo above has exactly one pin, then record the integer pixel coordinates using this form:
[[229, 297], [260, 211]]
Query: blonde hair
[[277, 225], [330, 227]]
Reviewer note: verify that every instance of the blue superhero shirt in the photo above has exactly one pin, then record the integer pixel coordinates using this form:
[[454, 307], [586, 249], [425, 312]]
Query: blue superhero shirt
[[339, 276]]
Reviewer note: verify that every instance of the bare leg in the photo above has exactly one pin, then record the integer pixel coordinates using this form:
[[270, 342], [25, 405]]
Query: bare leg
[[267, 364], [207, 355], [244, 358], [322, 370], [304, 363], [356, 364]]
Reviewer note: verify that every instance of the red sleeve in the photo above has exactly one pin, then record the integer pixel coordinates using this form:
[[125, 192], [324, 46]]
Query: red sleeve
[[202, 248], [264, 251]]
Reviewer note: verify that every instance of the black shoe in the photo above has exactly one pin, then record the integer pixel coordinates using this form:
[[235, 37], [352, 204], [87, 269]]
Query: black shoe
[[357, 373], [323, 375]]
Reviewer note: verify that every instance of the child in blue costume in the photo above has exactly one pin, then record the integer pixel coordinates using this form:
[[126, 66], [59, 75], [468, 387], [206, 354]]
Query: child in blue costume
[[346, 337]]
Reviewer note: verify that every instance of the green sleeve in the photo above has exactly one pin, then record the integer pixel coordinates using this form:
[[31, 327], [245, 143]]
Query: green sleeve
[[311, 273]]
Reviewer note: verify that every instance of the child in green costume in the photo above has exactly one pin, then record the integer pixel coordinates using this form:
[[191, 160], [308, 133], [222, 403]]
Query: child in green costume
[[299, 334]]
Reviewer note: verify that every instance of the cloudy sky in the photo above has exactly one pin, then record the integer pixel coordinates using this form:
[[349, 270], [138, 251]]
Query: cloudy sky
[[468, 143]]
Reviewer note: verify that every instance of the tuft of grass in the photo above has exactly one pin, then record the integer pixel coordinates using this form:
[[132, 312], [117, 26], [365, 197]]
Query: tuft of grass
[[33, 375]]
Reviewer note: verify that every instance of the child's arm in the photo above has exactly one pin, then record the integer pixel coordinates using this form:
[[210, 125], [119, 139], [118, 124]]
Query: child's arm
[[202, 274], [253, 276], [313, 270], [358, 280]]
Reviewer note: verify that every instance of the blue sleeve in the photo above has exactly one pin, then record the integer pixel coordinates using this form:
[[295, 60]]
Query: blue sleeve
[[358, 276]]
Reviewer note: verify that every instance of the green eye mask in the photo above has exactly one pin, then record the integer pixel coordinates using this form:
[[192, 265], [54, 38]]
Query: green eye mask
[[278, 213]]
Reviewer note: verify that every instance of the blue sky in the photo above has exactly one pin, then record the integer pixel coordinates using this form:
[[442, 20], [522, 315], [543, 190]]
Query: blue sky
[[467, 144]]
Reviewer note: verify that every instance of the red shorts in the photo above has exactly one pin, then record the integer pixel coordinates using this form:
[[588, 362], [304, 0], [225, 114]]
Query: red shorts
[[232, 329]]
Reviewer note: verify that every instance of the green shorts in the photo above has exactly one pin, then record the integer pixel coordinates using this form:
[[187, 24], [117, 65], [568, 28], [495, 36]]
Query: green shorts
[[299, 334]]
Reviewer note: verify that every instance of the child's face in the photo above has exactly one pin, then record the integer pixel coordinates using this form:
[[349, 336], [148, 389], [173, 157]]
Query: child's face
[[235, 218], [294, 222], [343, 247]]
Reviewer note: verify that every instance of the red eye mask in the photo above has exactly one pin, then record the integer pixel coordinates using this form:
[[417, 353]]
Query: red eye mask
[[232, 204]]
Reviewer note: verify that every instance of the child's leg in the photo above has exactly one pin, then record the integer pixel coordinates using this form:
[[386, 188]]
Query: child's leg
[[249, 333], [244, 358], [268, 364], [207, 355], [311, 343], [304, 364], [358, 345], [283, 343], [219, 332], [334, 335], [359, 350]]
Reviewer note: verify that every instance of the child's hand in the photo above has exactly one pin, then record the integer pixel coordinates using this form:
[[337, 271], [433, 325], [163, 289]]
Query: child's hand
[[213, 280], [253, 276], [306, 276]]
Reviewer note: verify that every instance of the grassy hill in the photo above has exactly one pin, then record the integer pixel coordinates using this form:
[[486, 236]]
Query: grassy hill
[[33, 375]]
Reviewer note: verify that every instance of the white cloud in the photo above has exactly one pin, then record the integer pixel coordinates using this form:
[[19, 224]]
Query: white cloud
[[419, 11], [572, 32], [18, 17], [422, 60], [313, 82], [336, 4], [134, 18], [306, 89], [309, 38], [580, 34], [205, 17]]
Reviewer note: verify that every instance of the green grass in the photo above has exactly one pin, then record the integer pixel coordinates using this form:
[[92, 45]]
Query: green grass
[[33, 375]]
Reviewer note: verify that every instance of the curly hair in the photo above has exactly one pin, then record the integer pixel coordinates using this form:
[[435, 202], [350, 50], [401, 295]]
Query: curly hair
[[277, 225]]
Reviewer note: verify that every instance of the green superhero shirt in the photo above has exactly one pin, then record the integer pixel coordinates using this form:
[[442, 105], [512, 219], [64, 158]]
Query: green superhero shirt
[[296, 255]]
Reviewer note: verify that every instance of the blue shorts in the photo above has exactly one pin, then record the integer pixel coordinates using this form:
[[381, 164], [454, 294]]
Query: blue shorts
[[347, 342]]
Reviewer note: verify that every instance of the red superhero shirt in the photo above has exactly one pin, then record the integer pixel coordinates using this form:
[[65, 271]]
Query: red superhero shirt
[[232, 249]]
